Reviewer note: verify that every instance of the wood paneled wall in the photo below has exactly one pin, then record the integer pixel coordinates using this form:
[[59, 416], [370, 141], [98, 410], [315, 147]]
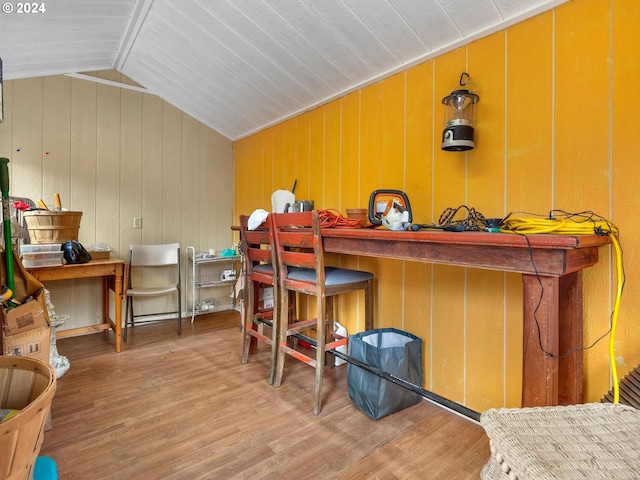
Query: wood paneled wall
[[555, 130], [116, 154]]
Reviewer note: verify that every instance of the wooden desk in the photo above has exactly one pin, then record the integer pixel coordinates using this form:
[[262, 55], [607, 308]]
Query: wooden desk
[[559, 260], [112, 272]]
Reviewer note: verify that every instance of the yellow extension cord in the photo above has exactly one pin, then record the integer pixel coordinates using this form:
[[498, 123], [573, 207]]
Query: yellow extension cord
[[581, 226]]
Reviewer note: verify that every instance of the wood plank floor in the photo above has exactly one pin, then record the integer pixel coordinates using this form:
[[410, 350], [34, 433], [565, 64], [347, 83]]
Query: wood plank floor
[[184, 408]]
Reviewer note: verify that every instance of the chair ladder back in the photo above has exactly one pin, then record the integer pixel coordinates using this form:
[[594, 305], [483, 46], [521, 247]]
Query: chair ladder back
[[258, 252], [299, 245], [257, 249]]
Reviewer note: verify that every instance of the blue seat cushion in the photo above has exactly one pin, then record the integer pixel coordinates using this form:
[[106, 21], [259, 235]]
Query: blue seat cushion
[[45, 469], [333, 276], [263, 268]]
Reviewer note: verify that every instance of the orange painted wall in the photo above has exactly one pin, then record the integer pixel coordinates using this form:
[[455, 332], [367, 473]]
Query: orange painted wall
[[555, 129]]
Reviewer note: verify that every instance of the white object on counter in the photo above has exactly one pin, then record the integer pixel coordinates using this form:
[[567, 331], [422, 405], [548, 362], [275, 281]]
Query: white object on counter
[[256, 218], [280, 199]]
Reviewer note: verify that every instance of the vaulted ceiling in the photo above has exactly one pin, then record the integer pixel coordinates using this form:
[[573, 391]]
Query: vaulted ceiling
[[241, 65]]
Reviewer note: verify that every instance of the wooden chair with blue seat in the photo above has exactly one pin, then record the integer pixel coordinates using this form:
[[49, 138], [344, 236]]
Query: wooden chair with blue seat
[[259, 274], [301, 269], [153, 271]]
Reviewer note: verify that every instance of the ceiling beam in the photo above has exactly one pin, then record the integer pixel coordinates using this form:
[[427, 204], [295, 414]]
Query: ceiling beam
[[137, 20], [104, 81]]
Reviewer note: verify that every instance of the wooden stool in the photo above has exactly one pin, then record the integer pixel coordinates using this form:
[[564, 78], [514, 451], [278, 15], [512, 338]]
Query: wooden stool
[[301, 269], [260, 274], [574, 442]]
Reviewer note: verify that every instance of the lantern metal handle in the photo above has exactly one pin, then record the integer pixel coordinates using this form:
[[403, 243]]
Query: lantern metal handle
[[464, 82]]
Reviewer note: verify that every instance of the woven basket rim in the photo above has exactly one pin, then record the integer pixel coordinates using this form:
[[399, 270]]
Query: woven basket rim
[[30, 364], [51, 212], [23, 433]]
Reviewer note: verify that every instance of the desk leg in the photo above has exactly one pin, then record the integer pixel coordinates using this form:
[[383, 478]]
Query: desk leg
[[541, 327], [105, 303], [118, 307], [570, 381], [557, 324]]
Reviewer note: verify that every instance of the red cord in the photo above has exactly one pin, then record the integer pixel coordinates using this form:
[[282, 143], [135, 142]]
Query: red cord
[[332, 218]]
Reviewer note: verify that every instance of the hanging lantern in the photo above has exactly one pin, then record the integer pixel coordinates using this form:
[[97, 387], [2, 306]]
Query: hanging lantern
[[459, 117]]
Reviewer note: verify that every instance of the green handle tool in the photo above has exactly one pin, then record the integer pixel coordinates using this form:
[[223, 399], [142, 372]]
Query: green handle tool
[[6, 220]]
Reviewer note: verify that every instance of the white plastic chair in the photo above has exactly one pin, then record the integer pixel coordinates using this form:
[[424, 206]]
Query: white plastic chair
[[159, 265]]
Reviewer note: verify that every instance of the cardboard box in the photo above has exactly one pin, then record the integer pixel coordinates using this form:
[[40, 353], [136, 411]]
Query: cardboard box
[[100, 255], [24, 318], [266, 293], [265, 298], [33, 343]]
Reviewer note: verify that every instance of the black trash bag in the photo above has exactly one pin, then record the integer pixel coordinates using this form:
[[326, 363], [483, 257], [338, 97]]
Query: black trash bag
[[393, 351], [74, 252]]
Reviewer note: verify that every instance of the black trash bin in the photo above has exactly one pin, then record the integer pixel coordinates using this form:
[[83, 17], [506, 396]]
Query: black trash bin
[[393, 351]]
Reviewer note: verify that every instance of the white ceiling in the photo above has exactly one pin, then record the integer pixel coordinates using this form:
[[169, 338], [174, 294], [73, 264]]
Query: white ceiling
[[241, 65]]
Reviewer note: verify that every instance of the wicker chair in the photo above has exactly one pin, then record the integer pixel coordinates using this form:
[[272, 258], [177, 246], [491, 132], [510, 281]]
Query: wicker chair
[[574, 442]]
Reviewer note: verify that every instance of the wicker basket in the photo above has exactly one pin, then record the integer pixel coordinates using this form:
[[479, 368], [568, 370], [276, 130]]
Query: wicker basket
[[573, 442], [48, 226], [28, 385]]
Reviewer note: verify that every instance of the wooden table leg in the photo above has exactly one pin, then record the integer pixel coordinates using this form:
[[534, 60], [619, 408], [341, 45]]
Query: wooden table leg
[[541, 336], [570, 378], [119, 280], [552, 328], [105, 302]]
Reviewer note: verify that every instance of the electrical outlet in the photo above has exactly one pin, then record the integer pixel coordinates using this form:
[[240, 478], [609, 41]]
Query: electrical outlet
[[137, 222]]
